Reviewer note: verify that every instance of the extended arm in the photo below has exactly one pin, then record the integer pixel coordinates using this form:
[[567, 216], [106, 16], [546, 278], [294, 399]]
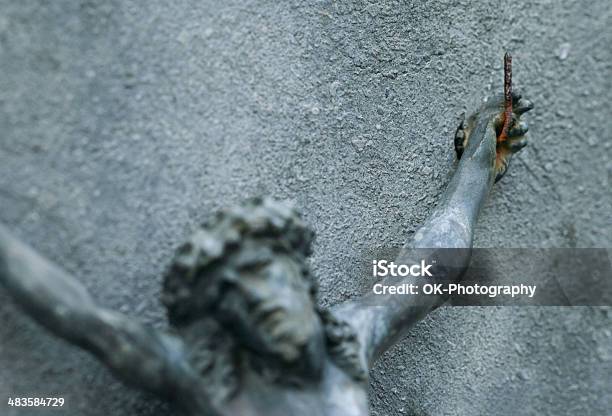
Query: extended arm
[[381, 320], [138, 355]]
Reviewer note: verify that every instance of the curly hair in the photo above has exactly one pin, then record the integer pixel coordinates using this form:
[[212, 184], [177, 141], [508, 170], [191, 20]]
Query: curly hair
[[195, 279]]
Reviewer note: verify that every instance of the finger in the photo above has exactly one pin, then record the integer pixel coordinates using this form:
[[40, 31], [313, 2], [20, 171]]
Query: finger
[[460, 134], [502, 166], [517, 145], [518, 129], [498, 122], [459, 141], [523, 106]]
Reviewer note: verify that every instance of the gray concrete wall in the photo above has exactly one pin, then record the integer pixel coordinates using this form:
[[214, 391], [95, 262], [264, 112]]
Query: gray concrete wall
[[124, 124]]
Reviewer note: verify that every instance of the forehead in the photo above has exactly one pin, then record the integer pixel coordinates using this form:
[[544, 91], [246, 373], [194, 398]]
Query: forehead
[[258, 252], [263, 260]]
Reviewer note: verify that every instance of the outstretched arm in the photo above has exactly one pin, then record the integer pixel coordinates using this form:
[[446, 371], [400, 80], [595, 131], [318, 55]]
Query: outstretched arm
[[135, 353], [381, 320]]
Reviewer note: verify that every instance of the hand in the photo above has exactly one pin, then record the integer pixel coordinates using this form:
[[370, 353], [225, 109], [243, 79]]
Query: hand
[[491, 112]]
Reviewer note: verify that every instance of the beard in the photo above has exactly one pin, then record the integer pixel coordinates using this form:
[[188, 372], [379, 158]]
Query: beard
[[294, 344], [285, 334]]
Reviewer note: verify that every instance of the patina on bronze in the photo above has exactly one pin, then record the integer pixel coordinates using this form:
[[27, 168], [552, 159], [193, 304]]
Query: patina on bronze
[[246, 335]]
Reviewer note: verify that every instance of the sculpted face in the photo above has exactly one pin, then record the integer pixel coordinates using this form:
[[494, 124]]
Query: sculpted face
[[271, 306]]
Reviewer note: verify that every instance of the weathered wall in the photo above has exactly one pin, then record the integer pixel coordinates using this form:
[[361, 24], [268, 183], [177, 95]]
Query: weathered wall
[[124, 124]]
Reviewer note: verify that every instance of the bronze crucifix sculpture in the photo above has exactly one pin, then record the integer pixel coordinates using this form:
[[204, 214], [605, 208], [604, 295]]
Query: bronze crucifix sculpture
[[246, 336]]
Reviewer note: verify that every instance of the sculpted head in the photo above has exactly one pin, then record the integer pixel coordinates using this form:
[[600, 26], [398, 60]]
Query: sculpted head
[[246, 269]]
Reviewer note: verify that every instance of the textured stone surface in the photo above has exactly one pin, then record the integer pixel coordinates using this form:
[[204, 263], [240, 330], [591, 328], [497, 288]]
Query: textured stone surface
[[124, 124]]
